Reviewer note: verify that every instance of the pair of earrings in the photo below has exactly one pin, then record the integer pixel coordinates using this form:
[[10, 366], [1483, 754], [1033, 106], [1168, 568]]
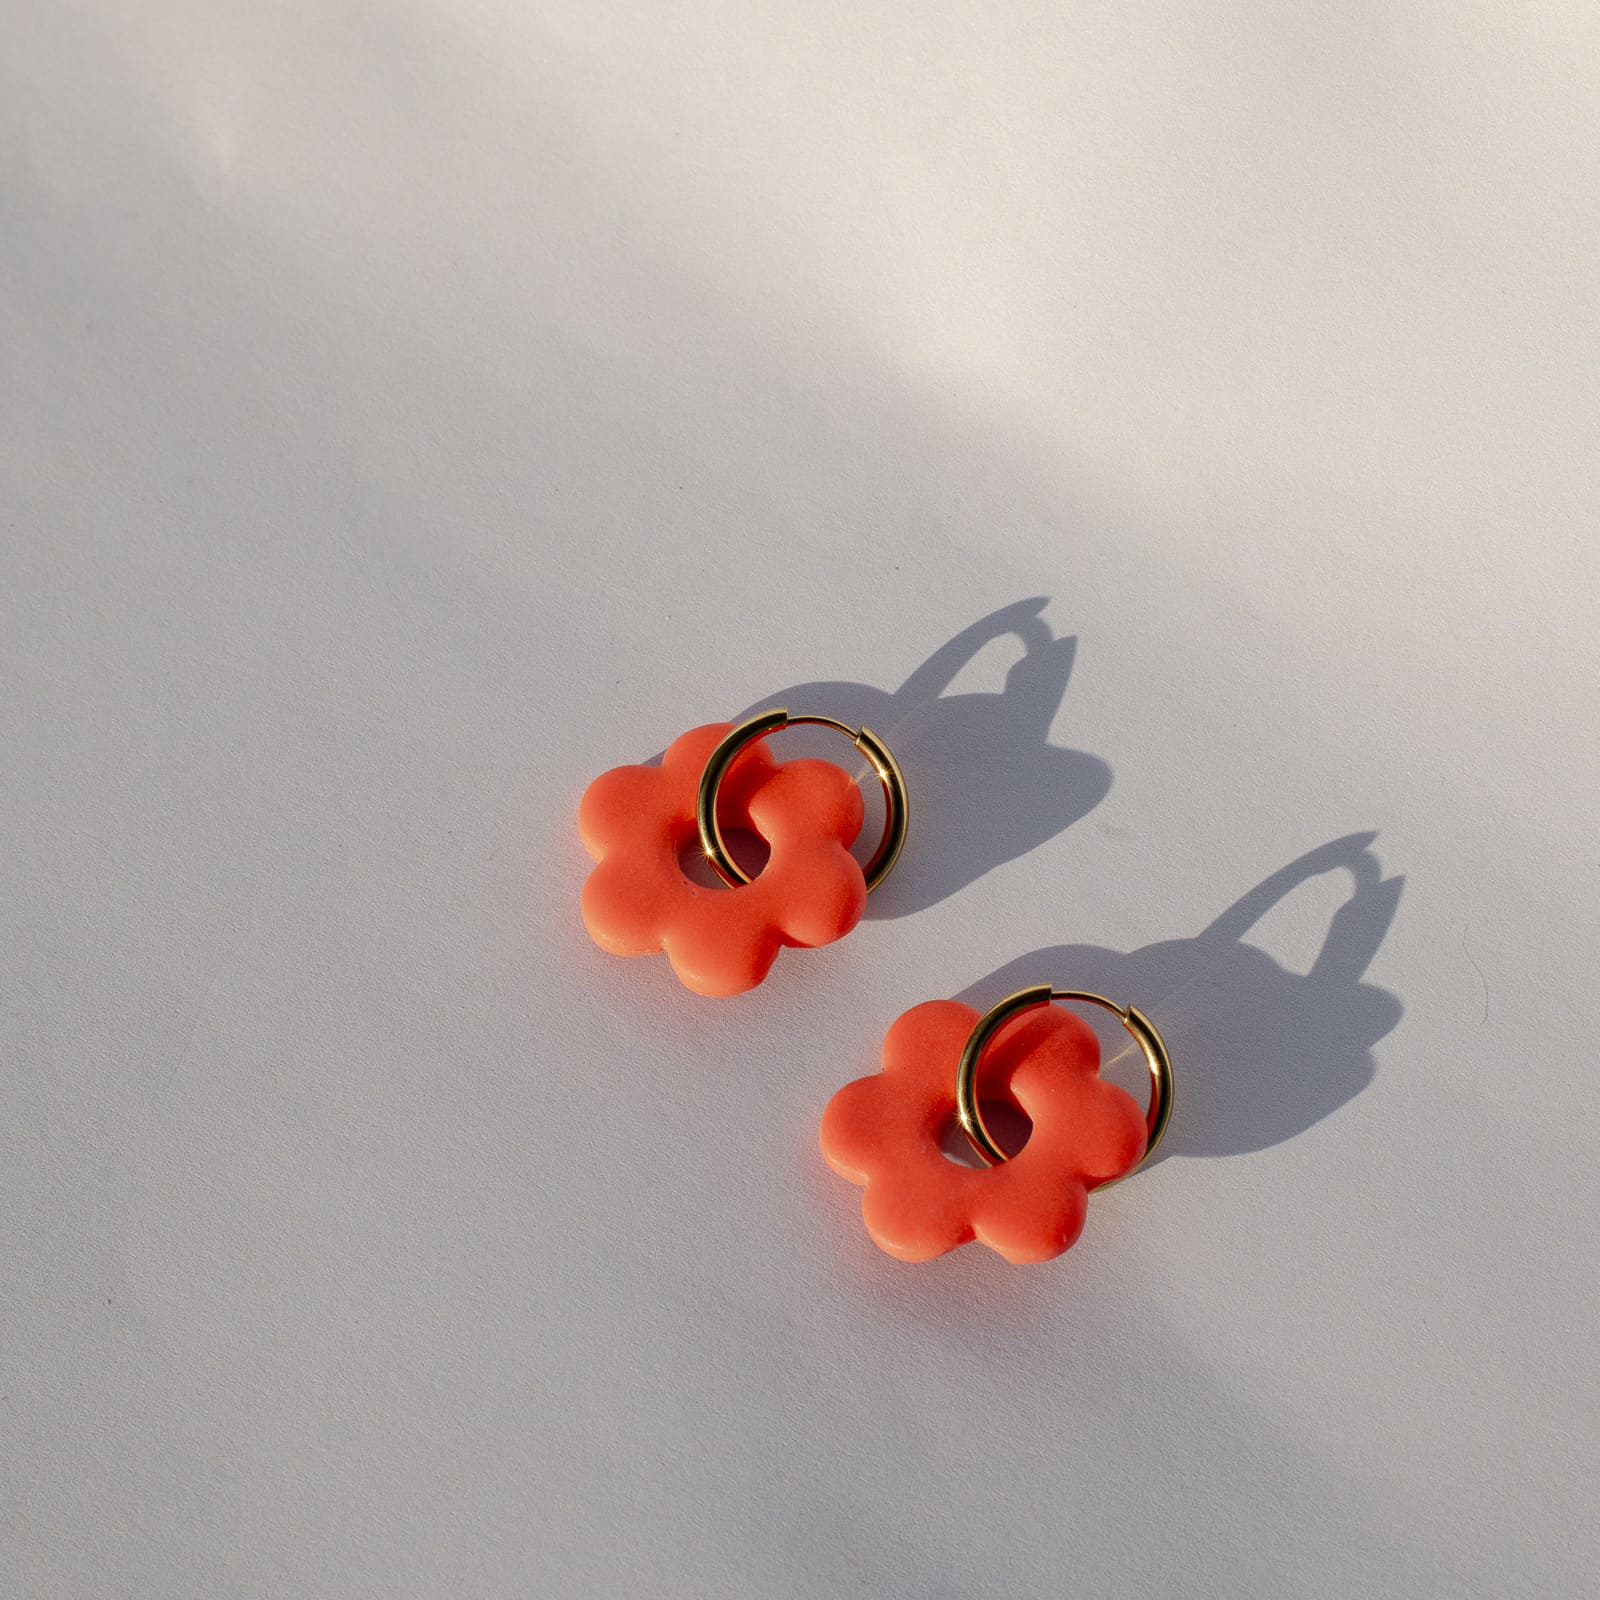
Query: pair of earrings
[[883, 1132]]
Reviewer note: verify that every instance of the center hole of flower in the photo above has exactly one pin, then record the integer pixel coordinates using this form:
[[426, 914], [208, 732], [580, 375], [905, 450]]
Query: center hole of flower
[[749, 850], [1008, 1124]]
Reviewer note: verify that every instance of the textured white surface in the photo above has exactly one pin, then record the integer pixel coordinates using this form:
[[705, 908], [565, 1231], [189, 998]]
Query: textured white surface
[[412, 409]]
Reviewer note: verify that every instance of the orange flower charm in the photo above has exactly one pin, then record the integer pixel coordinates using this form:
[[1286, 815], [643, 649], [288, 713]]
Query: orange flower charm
[[636, 820], [883, 1131]]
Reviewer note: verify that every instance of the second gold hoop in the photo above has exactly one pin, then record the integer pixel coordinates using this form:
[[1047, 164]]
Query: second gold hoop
[[1144, 1033]]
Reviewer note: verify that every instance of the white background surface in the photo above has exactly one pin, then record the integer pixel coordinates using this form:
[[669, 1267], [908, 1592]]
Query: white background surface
[[413, 409]]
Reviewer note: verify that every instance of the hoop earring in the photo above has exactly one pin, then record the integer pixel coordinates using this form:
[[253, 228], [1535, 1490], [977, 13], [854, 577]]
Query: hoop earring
[[883, 1132], [636, 821]]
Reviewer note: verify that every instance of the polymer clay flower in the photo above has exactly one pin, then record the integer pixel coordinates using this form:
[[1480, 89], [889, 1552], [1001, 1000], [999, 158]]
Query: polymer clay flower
[[635, 821], [884, 1132]]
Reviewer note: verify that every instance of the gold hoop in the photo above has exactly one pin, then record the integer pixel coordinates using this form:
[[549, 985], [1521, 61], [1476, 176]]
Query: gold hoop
[[997, 1016], [865, 740]]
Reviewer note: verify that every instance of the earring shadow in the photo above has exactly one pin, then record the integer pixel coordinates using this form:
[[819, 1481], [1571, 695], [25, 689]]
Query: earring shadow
[[986, 784], [1261, 1053]]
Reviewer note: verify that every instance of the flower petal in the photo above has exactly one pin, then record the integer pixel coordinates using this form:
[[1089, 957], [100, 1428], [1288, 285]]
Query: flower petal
[[1114, 1132], [925, 1043], [620, 809], [714, 954], [854, 1124], [823, 894], [620, 909], [914, 1212], [1029, 1215], [804, 798]]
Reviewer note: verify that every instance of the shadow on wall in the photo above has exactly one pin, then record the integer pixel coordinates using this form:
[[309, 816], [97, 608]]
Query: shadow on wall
[[986, 784], [1261, 1053]]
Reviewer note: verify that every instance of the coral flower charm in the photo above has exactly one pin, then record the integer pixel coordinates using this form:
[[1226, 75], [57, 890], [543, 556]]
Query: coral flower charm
[[721, 941], [884, 1132]]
